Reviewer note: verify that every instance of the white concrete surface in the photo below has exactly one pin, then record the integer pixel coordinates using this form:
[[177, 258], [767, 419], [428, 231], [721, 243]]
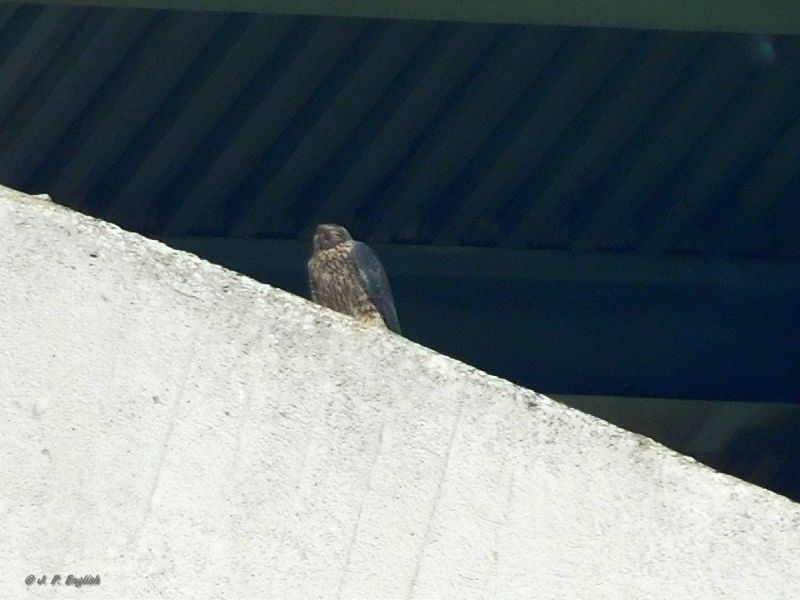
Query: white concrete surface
[[185, 432]]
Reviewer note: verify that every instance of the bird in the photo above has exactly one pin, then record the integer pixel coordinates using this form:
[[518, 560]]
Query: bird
[[347, 276]]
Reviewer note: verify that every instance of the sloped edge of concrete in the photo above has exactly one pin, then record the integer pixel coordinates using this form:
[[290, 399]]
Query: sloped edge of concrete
[[168, 261], [335, 459]]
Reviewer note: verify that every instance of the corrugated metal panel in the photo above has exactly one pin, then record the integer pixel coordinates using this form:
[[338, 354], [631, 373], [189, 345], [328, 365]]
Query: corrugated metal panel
[[176, 123]]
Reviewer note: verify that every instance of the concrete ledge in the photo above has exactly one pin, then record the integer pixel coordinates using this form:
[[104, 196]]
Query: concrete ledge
[[185, 432]]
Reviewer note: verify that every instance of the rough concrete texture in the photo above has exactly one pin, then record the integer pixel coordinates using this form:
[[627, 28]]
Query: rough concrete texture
[[186, 432]]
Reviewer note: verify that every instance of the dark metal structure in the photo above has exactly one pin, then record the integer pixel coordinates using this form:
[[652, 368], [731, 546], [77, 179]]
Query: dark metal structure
[[594, 211]]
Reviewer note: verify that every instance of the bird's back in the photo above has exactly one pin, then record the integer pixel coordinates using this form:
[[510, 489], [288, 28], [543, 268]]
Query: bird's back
[[349, 278]]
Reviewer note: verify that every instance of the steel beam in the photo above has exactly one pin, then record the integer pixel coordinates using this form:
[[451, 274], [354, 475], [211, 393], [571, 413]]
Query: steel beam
[[751, 16]]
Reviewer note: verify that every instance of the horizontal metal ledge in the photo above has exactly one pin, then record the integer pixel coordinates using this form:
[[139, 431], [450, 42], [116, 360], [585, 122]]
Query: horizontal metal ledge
[[267, 256], [753, 16]]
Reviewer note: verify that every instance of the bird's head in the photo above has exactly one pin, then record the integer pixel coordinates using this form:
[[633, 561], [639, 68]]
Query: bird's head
[[327, 236]]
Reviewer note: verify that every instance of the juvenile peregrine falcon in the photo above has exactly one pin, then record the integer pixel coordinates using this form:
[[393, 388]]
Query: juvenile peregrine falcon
[[347, 276]]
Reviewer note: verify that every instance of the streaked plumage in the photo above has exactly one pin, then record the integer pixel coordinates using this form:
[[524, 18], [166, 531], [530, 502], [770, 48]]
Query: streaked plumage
[[347, 276]]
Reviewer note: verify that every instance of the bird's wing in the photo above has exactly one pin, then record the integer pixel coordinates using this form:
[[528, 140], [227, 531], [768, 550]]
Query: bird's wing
[[373, 277], [311, 283]]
